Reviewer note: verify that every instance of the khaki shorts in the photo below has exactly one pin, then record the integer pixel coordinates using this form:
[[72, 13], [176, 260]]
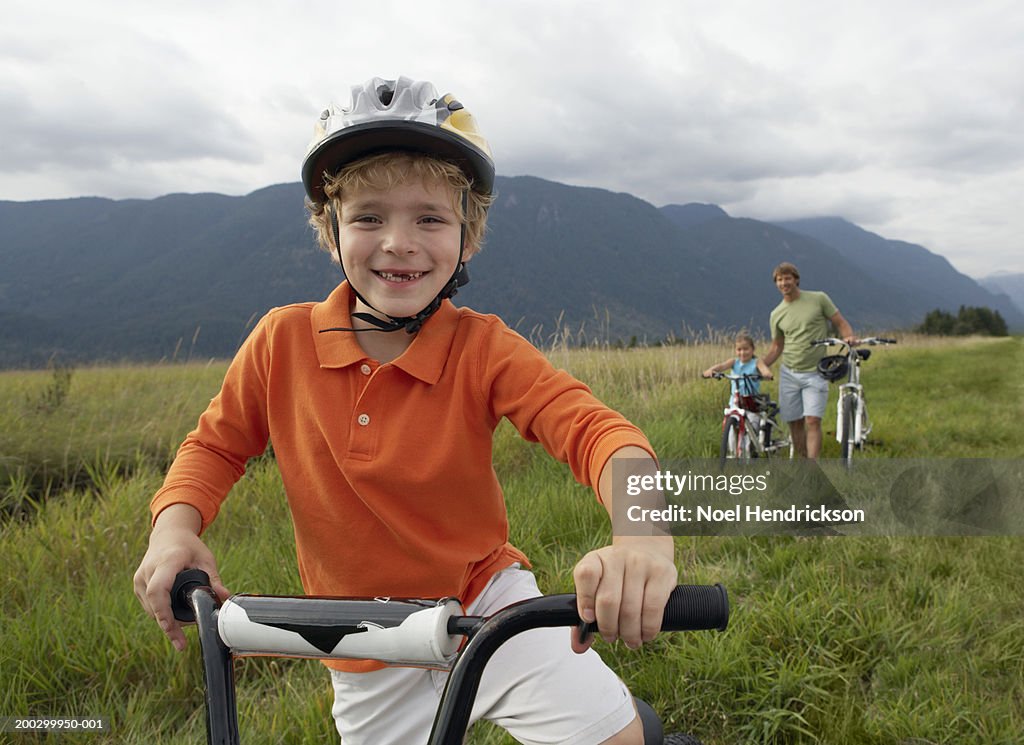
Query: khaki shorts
[[801, 394], [534, 686]]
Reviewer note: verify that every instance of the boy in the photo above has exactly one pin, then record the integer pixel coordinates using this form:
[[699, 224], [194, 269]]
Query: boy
[[381, 403]]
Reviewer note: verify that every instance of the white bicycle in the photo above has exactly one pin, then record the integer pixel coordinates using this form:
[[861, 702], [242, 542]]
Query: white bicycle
[[853, 425]]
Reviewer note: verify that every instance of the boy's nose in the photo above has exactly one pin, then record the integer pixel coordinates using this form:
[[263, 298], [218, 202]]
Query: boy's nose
[[398, 240]]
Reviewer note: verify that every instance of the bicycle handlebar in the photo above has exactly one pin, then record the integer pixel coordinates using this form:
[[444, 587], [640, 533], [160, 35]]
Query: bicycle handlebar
[[325, 623], [307, 626], [870, 340], [730, 376], [696, 608]]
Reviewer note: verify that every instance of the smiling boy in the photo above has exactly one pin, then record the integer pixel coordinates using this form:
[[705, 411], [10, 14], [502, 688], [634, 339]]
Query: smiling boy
[[381, 403]]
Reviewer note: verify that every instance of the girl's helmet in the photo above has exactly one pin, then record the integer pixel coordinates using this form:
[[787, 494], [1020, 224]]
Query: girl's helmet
[[400, 114], [833, 367]]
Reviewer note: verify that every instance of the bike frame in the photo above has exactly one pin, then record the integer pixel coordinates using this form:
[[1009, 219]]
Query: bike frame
[[853, 388], [747, 421], [293, 626]]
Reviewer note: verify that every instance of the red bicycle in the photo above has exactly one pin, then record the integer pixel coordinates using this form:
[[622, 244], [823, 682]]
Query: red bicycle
[[749, 429]]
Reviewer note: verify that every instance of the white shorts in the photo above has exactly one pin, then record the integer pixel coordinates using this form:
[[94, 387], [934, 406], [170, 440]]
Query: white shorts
[[801, 394], [534, 686]]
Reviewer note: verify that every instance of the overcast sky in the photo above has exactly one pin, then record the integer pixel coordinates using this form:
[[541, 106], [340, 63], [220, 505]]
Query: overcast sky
[[906, 118]]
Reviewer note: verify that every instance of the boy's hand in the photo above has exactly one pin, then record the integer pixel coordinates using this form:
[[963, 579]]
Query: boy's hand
[[173, 547], [625, 586]]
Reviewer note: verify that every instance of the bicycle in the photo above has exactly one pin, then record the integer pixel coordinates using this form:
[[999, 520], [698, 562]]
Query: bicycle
[[430, 633], [749, 429], [853, 425]]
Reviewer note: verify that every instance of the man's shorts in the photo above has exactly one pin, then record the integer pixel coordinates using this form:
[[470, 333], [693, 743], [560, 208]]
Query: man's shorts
[[534, 686], [801, 394]]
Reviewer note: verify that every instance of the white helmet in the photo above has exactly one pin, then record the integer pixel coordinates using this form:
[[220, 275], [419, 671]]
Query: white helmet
[[401, 114]]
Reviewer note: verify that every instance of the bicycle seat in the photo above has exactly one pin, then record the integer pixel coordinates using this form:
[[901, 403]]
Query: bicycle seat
[[863, 353]]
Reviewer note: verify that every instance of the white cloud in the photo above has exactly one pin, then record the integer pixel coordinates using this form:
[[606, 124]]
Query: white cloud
[[903, 116]]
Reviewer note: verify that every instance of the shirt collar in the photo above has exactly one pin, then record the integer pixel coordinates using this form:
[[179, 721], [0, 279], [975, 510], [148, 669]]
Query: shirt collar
[[424, 359]]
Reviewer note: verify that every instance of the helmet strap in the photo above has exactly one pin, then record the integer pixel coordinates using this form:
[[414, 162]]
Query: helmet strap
[[414, 323]]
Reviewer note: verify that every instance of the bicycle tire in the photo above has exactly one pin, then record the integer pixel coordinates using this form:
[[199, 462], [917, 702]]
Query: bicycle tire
[[865, 425], [764, 436], [730, 438], [848, 413]]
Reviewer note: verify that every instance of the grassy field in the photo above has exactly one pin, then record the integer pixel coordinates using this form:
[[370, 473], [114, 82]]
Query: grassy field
[[832, 640]]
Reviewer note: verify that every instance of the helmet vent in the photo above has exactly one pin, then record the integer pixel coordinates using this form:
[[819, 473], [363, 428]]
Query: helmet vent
[[385, 94]]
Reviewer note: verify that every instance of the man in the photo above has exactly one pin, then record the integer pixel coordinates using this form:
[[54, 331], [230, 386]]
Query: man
[[803, 316]]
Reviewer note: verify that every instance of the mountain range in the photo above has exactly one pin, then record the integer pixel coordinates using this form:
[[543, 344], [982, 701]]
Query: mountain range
[[1010, 284], [182, 275]]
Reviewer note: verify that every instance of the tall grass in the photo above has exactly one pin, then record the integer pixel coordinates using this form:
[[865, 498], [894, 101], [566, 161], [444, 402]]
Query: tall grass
[[104, 418], [832, 640]]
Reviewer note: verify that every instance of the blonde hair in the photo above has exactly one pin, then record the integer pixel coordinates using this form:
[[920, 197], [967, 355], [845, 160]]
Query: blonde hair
[[385, 171]]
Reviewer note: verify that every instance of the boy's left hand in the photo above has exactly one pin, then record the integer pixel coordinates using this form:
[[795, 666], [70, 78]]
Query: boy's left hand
[[625, 586]]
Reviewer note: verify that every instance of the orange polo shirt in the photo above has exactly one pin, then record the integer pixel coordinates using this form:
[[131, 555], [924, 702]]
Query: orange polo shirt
[[387, 467]]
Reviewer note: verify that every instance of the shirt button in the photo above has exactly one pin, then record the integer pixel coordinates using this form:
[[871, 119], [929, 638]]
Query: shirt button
[[364, 419], [365, 369]]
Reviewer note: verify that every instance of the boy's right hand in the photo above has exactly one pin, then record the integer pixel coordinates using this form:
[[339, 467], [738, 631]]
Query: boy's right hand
[[174, 545]]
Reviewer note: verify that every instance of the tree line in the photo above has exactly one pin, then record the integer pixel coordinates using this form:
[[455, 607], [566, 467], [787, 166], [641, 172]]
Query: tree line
[[967, 321]]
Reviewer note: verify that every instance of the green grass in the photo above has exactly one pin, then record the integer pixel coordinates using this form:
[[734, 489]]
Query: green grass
[[832, 640], [64, 431]]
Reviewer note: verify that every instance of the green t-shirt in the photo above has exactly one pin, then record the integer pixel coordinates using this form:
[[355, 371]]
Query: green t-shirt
[[800, 322]]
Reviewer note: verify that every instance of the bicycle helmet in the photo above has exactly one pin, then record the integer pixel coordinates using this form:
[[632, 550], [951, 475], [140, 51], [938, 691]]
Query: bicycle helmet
[[400, 114], [833, 367]]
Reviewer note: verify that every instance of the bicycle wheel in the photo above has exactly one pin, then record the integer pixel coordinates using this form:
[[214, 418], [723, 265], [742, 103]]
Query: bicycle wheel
[[730, 436], [865, 425], [764, 436], [745, 448], [848, 414]]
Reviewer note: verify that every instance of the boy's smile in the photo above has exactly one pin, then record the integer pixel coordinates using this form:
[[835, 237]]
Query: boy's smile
[[399, 247]]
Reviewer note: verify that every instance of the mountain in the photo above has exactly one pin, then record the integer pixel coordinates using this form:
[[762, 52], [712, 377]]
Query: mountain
[[926, 279], [102, 279], [1006, 283], [188, 274], [690, 215]]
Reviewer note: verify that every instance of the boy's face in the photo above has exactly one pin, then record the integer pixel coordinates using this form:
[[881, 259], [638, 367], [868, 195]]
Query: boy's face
[[744, 352], [399, 247]]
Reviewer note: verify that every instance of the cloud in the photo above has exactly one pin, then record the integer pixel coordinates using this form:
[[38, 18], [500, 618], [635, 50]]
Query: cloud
[[95, 105], [872, 110]]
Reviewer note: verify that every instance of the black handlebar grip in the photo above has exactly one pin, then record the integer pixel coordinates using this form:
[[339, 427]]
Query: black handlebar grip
[[183, 583], [695, 607]]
